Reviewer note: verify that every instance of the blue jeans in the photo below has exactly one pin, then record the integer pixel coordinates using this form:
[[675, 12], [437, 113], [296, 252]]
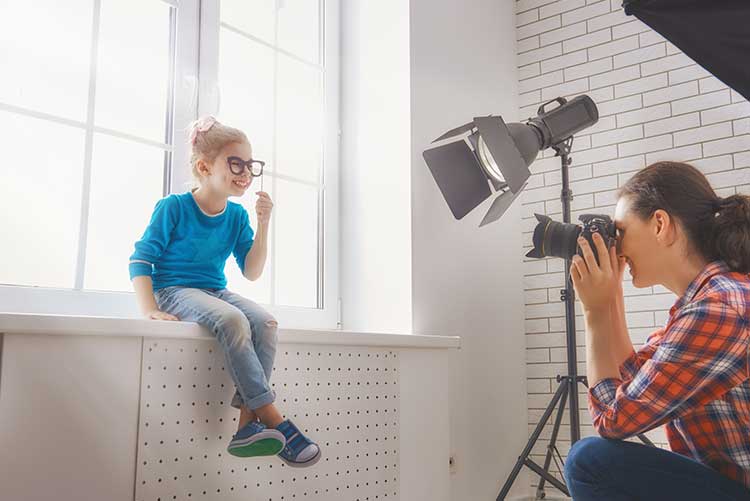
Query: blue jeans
[[615, 470], [245, 331]]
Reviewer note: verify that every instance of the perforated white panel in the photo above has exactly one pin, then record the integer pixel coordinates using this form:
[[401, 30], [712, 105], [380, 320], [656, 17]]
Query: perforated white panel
[[346, 399]]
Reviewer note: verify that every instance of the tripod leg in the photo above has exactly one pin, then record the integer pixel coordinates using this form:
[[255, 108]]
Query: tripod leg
[[645, 439], [532, 440], [553, 438]]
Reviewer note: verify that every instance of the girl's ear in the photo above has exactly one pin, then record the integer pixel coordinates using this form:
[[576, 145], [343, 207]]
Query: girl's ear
[[202, 167]]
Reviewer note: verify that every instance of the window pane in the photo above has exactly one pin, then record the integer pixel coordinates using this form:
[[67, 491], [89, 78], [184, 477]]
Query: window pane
[[40, 201], [133, 67], [126, 182], [246, 82], [255, 17], [45, 47], [260, 290], [299, 29], [296, 210], [300, 120]]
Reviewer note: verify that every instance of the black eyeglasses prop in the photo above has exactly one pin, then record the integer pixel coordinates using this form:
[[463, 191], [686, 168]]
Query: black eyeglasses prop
[[238, 166]]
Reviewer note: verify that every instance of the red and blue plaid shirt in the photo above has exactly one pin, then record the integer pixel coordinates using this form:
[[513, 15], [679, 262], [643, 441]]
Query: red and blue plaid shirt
[[691, 375]]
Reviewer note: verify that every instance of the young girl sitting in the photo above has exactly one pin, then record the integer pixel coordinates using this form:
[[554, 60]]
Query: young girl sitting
[[177, 271]]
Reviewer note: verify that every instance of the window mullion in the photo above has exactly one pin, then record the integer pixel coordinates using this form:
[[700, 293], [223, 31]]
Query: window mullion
[[274, 179], [170, 107], [185, 89], [208, 65], [88, 151]]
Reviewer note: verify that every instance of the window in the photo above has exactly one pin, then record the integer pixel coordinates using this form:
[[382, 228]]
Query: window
[[85, 106], [94, 150]]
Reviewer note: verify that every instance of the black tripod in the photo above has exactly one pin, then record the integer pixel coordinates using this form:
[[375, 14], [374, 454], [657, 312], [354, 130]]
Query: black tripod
[[568, 388]]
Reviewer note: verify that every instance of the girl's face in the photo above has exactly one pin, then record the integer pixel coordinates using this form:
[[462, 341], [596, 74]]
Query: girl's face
[[221, 179], [638, 244]]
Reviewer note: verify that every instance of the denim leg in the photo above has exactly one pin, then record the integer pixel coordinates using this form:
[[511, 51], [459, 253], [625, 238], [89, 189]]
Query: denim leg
[[264, 330], [231, 328], [615, 470]]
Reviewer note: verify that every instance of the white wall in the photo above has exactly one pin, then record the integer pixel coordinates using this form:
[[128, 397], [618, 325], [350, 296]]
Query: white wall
[[654, 103], [375, 159], [467, 281]]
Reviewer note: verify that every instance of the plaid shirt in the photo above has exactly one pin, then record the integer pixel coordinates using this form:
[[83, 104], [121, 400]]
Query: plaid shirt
[[692, 375]]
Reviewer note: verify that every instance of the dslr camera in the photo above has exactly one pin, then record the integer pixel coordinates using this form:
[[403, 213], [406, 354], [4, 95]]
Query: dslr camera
[[552, 238]]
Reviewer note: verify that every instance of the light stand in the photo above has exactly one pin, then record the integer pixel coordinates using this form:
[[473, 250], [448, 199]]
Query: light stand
[[568, 384], [568, 387]]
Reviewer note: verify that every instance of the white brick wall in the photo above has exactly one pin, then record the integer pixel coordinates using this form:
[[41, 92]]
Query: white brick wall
[[654, 104]]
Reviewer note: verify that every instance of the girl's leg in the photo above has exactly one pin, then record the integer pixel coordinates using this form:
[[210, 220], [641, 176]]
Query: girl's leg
[[268, 415], [232, 329], [299, 451], [615, 470], [263, 327]]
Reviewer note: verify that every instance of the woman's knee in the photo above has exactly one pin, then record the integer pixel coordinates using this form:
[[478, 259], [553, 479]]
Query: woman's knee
[[586, 456]]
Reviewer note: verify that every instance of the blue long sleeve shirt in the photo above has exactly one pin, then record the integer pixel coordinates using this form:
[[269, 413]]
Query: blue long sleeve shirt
[[184, 246]]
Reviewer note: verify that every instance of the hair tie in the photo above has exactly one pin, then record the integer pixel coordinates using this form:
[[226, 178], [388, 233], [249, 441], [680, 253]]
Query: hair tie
[[201, 125]]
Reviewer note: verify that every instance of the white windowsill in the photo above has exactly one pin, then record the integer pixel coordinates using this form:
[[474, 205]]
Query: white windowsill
[[33, 323]]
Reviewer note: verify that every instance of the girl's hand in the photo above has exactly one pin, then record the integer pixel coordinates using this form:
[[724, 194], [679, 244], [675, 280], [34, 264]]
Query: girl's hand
[[263, 207], [160, 315], [597, 285]]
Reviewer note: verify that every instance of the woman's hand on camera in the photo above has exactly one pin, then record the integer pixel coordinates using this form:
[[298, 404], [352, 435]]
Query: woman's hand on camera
[[597, 285]]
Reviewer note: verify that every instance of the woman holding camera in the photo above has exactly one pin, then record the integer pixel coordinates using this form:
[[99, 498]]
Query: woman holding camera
[[691, 375]]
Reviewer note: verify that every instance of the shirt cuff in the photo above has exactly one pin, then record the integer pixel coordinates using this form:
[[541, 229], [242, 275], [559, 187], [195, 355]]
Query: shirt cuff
[[602, 395], [629, 368], [139, 268]]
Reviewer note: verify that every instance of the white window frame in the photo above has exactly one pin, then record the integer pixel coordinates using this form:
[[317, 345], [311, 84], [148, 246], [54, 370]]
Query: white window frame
[[326, 315], [195, 86]]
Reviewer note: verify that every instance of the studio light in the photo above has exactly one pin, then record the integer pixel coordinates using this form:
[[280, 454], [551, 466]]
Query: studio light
[[488, 157]]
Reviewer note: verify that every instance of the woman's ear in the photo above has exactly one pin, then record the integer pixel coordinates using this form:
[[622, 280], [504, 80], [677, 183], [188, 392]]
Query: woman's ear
[[664, 227]]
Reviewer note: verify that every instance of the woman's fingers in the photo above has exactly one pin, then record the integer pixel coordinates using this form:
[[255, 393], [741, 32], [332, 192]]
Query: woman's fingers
[[618, 263], [579, 266], [588, 256], [601, 250], [575, 275]]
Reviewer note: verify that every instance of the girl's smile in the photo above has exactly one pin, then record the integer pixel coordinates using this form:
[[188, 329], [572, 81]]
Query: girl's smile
[[242, 183]]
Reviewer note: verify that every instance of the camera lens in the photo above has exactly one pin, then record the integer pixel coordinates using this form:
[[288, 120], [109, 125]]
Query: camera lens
[[561, 239], [552, 238]]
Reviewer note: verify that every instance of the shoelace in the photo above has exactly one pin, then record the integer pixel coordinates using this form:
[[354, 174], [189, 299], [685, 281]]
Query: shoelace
[[295, 441]]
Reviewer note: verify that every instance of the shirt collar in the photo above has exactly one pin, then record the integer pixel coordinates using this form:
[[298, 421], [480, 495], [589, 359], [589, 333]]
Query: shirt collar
[[711, 269]]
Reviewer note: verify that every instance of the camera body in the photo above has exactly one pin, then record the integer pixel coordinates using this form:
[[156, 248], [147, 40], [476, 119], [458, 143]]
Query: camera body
[[601, 224], [561, 239]]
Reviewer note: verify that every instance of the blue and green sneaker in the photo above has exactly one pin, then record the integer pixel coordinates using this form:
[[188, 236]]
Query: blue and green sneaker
[[254, 439]]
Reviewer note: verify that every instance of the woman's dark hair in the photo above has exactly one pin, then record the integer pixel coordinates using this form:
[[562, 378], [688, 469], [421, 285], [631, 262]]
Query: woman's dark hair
[[718, 228]]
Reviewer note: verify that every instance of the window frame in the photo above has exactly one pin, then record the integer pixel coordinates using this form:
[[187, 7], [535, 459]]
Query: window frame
[[194, 89], [327, 314]]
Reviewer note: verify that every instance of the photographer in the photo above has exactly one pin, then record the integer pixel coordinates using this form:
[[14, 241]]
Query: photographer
[[692, 374]]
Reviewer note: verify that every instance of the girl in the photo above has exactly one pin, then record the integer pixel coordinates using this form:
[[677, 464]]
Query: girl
[[177, 271], [691, 375]]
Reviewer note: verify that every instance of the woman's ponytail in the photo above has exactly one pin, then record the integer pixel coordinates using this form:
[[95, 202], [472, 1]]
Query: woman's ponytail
[[731, 235]]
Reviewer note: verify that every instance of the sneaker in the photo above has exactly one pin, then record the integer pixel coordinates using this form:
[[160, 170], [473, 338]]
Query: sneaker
[[254, 439], [299, 451]]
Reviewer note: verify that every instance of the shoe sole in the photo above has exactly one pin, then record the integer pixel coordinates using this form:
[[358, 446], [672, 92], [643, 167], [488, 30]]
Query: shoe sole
[[264, 443], [307, 463]]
